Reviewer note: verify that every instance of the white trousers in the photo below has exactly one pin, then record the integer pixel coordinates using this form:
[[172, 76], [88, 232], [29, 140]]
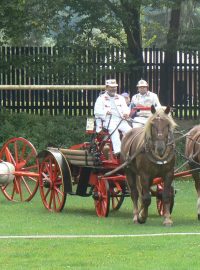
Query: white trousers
[[124, 127], [139, 121]]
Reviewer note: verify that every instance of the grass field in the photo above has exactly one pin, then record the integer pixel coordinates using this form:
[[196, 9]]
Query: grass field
[[79, 219]]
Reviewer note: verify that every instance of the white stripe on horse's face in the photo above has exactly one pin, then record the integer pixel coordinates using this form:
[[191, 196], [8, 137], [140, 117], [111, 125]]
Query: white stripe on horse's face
[[159, 135]]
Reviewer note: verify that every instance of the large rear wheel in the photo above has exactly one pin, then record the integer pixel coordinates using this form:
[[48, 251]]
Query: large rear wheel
[[52, 183], [22, 154]]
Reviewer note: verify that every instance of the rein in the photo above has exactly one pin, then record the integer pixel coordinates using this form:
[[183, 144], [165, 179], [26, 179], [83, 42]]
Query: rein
[[128, 158], [125, 164], [110, 134], [188, 160], [191, 158], [181, 137]]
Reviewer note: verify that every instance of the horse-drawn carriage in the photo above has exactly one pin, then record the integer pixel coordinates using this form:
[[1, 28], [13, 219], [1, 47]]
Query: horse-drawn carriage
[[91, 169]]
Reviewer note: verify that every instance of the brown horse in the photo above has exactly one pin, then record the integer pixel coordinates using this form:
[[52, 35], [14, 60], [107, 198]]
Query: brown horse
[[150, 151], [192, 152]]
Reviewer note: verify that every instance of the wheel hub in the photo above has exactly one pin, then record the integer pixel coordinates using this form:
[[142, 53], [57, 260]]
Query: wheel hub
[[96, 196], [46, 184]]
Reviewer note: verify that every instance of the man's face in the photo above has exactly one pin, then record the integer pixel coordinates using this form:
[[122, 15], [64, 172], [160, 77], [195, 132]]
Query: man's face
[[142, 90], [111, 91]]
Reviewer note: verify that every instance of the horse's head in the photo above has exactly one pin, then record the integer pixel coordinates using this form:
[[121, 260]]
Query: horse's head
[[158, 130]]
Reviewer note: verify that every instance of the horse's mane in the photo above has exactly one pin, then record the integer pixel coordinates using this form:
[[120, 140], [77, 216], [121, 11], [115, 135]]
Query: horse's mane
[[147, 128]]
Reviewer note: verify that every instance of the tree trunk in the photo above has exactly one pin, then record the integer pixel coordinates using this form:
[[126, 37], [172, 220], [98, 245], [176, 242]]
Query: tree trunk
[[131, 23], [166, 92]]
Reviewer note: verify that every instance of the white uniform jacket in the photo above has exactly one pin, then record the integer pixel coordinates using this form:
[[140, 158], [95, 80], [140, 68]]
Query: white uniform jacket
[[145, 100], [104, 104]]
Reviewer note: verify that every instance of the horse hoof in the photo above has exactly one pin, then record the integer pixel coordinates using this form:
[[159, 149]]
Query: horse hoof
[[135, 220], [141, 220], [168, 223]]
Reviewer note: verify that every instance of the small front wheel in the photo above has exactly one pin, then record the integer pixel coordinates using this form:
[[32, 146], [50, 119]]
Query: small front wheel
[[117, 192], [101, 197]]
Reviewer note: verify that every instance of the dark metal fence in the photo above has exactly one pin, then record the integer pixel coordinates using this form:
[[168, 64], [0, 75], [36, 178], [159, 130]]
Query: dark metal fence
[[178, 83]]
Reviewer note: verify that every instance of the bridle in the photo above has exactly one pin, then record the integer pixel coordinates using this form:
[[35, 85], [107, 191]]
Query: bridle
[[169, 151]]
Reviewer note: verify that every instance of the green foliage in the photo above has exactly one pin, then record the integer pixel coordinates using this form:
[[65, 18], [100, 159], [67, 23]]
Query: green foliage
[[95, 23], [43, 131], [58, 131]]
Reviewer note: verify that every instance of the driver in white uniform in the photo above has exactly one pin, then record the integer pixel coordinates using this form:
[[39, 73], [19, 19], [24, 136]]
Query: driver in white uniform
[[144, 98], [111, 112]]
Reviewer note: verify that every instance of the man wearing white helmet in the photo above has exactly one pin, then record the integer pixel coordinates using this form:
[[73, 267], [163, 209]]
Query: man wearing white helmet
[[111, 112], [144, 98]]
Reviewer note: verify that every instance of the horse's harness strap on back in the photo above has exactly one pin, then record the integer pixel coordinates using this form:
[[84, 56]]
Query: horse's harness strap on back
[[194, 154], [129, 158]]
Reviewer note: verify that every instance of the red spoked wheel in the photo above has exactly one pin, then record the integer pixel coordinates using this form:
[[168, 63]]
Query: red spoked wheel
[[101, 195], [22, 154], [52, 183], [159, 202], [117, 193]]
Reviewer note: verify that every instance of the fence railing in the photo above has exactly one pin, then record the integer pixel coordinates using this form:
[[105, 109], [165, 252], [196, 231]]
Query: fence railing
[[177, 83], [54, 99]]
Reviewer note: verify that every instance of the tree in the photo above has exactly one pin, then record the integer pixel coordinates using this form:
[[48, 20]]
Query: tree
[[99, 23], [112, 18], [170, 54], [27, 22], [189, 38]]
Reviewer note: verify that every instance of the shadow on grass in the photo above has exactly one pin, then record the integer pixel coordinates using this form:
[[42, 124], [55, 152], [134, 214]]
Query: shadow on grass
[[92, 213]]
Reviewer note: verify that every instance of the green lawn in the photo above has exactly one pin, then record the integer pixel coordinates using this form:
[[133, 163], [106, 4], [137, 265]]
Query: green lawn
[[79, 218]]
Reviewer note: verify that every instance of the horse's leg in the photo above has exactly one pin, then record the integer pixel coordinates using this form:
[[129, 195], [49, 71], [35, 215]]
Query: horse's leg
[[197, 186], [146, 199], [131, 178], [167, 196], [139, 188]]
